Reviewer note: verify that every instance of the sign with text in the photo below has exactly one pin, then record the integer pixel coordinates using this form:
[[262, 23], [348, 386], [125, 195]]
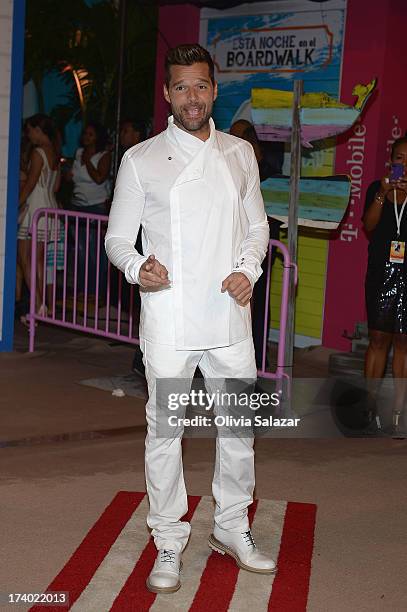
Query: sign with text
[[269, 45], [292, 49]]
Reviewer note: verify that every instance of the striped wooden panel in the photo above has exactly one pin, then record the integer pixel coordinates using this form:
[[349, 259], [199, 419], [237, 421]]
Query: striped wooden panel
[[312, 261]]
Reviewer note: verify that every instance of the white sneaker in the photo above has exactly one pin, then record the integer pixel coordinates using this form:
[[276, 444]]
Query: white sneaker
[[242, 548], [164, 577]]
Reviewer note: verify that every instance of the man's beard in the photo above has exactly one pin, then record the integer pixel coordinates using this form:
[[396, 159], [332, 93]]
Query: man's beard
[[188, 123]]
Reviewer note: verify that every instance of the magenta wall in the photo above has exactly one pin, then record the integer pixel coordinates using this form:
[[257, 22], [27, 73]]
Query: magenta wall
[[177, 24], [373, 47]]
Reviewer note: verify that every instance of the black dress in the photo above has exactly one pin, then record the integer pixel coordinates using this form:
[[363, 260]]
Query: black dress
[[386, 282]]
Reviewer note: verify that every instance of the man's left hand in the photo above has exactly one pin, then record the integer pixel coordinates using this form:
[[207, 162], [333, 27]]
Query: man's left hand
[[238, 286]]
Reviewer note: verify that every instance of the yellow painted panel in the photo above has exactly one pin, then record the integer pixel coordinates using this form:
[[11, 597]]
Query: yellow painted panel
[[312, 258], [309, 253], [309, 240], [318, 268], [313, 296], [308, 279], [310, 307]]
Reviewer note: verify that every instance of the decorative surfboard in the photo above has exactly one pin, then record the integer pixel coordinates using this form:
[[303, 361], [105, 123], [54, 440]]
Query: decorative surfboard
[[322, 200], [321, 116]]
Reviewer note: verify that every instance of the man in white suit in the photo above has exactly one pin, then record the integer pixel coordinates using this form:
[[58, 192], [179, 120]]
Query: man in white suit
[[195, 191]]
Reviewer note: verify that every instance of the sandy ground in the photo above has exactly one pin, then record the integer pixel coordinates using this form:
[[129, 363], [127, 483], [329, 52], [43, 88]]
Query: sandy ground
[[55, 485]]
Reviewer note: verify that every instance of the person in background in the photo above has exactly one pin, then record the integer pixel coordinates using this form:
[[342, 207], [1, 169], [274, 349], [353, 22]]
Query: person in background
[[38, 191], [269, 158], [22, 294], [132, 133], [270, 162], [385, 220], [91, 191]]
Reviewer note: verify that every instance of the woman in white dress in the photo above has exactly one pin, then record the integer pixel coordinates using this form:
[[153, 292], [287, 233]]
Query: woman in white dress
[[38, 191]]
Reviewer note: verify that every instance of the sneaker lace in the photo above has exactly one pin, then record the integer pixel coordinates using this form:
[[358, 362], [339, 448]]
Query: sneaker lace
[[248, 538], [167, 556]]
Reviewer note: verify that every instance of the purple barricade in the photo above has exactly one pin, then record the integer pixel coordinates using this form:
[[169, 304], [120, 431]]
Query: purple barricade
[[73, 284], [287, 265]]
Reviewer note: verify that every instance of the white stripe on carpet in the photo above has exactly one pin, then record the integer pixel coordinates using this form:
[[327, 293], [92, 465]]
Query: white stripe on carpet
[[115, 568], [267, 529], [194, 561]]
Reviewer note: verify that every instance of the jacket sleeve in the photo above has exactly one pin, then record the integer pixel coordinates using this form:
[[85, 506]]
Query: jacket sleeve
[[255, 245], [124, 221]]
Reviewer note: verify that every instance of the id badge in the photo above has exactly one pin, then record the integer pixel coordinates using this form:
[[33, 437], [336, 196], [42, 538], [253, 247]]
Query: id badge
[[397, 250]]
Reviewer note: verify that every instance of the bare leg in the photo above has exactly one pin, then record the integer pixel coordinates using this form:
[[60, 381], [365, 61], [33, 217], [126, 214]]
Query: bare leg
[[376, 354], [50, 295], [24, 255], [376, 359], [40, 276], [19, 281], [24, 258]]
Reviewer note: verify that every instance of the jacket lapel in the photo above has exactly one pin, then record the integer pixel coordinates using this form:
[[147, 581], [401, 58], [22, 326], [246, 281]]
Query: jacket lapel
[[195, 168]]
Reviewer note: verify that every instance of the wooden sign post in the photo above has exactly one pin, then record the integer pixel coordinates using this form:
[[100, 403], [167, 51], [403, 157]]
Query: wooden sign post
[[295, 175]]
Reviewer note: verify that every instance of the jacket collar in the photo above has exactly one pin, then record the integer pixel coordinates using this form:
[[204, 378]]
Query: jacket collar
[[195, 167], [172, 129]]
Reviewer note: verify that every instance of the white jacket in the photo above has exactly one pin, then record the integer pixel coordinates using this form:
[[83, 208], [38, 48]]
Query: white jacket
[[202, 220]]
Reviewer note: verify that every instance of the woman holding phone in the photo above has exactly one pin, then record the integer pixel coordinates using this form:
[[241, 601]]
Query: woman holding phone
[[385, 220]]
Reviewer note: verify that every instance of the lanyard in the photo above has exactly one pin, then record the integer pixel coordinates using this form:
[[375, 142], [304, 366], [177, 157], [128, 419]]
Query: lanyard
[[399, 216]]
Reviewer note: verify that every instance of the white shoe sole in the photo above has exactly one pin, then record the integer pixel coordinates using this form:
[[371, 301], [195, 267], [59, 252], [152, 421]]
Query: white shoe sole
[[223, 549], [156, 589]]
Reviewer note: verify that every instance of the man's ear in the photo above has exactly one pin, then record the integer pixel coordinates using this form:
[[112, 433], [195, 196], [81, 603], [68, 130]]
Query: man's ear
[[166, 94], [215, 91]]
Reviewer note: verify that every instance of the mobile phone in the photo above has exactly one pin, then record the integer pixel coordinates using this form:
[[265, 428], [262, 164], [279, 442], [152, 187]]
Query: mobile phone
[[397, 172]]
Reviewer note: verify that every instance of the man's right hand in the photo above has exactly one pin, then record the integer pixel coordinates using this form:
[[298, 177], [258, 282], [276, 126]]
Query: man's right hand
[[153, 275]]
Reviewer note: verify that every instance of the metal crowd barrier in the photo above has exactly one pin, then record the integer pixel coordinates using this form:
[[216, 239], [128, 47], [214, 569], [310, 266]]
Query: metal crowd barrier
[[81, 290], [287, 265]]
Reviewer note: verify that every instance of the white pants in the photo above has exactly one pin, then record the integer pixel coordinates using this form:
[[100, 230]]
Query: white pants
[[233, 480]]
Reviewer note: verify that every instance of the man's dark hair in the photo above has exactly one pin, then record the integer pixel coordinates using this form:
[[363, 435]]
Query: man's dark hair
[[186, 55], [48, 127]]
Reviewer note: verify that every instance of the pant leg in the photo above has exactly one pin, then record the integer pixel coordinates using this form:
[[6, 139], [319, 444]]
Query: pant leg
[[78, 247], [233, 480], [163, 455], [87, 265], [97, 256]]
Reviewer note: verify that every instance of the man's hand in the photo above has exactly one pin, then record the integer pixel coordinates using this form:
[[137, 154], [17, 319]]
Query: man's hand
[[238, 286], [153, 275]]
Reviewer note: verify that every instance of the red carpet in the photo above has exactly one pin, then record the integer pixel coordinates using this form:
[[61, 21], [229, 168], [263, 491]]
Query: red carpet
[[109, 569]]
